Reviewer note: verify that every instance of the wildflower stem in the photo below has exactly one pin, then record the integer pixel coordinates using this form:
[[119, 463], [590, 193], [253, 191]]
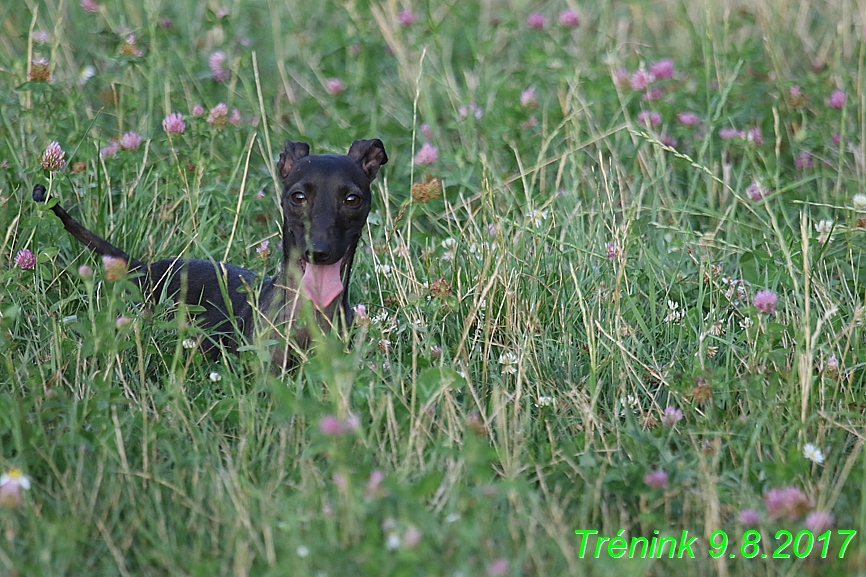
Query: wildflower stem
[[250, 141]]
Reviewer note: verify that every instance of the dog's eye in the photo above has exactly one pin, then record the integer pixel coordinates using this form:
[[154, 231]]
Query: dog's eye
[[352, 200], [298, 197]]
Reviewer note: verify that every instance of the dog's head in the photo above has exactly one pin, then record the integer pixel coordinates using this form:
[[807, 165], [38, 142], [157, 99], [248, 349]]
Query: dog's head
[[326, 199]]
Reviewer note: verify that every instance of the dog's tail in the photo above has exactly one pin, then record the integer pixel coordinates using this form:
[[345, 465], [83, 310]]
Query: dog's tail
[[95, 243]]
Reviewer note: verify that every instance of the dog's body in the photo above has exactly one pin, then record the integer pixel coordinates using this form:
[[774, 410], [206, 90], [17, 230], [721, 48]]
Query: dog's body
[[326, 199]]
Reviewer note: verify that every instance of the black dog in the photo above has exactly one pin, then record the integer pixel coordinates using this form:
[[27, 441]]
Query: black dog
[[326, 199]]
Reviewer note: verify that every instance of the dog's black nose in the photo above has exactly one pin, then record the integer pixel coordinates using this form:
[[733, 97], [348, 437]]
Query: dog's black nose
[[319, 253]]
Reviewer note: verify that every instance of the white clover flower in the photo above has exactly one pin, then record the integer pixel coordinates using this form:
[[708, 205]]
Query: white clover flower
[[215, 377], [675, 315], [737, 287], [383, 268], [402, 251], [823, 228], [450, 246], [188, 343], [508, 360], [479, 249], [859, 202], [545, 401], [302, 551], [628, 402]]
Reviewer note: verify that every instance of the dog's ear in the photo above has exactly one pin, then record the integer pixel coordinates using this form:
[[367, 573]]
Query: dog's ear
[[293, 152], [369, 154]]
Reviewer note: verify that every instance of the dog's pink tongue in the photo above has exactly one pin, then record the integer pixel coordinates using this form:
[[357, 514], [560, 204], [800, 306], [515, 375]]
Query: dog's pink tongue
[[321, 283]]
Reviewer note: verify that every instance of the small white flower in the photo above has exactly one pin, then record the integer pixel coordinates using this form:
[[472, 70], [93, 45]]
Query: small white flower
[[544, 401], [393, 542], [302, 551], [15, 478], [188, 343], [450, 246], [380, 318], [479, 249], [11, 485], [402, 251], [508, 360], [628, 402], [813, 453], [537, 216], [746, 323], [859, 202], [215, 377], [383, 268], [823, 228], [737, 287], [85, 74], [675, 315]]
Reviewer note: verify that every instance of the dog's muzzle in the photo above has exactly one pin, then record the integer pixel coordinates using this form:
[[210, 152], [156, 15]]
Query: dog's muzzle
[[322, 283]]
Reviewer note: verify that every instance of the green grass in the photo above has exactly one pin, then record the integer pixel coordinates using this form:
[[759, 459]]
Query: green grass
[[613, 273]]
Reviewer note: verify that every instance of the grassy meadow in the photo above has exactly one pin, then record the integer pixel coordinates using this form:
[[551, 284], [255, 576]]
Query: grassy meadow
[[612, 281]]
